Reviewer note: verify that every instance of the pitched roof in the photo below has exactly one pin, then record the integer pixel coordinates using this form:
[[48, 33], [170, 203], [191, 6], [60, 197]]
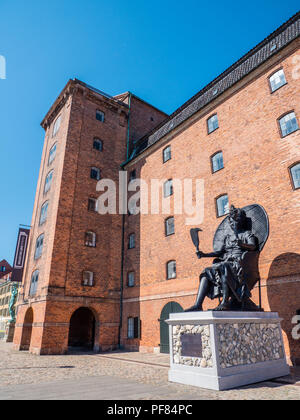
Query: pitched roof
[[254, 58]]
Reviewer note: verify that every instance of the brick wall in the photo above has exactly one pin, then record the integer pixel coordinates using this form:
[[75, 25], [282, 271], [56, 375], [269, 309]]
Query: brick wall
[[256, 160]]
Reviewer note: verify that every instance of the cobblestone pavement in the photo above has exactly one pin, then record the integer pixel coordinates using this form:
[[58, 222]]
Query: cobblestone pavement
[[125, 375]]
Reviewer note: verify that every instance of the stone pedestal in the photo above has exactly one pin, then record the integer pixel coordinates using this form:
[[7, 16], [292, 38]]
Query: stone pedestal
[[223, 350], [9, 332]]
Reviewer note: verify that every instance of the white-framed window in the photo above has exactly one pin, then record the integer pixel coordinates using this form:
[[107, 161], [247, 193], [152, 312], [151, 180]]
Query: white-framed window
[[167, 154], [95, 173], [39, 246], [168, 188], [133, 327], [288, 124], [169, 226], [295, 174], [88, 278], [100, 116], [171, 270], [56, 126], [131, 241], [212, 123], [131, 279], [90, 239], [52, 154], [34, 282], [44, 211], [277, 80], [48, 182], [98, 145], [222, 205], [217, 162]]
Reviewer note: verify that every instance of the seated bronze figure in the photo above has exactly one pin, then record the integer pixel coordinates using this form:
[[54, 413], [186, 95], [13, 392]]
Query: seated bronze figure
[[234, 272]]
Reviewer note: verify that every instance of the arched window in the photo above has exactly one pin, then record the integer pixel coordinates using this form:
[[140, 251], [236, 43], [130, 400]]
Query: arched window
[[130, 279], [168, 188], [48, 182], [34, 282], [56, 126], [167, 154], [212, 123], [44, 210], [98, 145], [131, 241], [295, 175], [52, 154], [100, 116], [90, 239], [171, 270], [288, 124], [217, 162], [169, 226], [95, 173], [222, 205], [277, 80], [39, 246]]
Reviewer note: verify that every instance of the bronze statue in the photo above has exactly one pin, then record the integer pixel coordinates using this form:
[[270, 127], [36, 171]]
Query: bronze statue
[[237, 243]]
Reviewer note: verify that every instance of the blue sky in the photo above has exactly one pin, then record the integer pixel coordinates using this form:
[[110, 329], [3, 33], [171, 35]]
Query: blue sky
[[163, 51]]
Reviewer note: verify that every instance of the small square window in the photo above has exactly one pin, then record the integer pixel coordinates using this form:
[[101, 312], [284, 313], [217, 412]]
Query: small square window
[[171, 270], [100, 116], [295, 173], [95, 173], [167, 154], [169, 226], [88, 278], [98, 145], [217, 162], [90, 239], [92, 204], [168, 188], [277, 80], [131, 242], [288, 124], [131, 280], [212, 123], [222, 205]]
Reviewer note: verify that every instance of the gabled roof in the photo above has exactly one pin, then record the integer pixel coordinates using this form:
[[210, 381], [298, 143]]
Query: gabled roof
[[8, 268], [279, 39]]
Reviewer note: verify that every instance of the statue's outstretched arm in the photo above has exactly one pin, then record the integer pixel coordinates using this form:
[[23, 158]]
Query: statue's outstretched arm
[[215, 254]]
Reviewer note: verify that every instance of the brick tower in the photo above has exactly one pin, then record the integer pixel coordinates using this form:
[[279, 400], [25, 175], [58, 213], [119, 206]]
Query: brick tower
[[70, 294]]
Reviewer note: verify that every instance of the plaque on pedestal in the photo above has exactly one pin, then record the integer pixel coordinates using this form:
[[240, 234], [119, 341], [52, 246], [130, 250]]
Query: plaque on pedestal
[[223, 350]]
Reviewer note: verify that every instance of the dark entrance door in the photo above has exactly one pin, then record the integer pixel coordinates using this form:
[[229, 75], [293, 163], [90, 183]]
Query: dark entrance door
[[82, 329], [170, 308]]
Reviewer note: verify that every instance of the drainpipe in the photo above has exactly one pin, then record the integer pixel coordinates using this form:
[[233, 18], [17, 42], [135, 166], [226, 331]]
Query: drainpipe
[[128, 126], [123, 233]]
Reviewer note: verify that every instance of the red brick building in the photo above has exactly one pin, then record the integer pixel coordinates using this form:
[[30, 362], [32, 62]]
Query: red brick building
[[86, 273]]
